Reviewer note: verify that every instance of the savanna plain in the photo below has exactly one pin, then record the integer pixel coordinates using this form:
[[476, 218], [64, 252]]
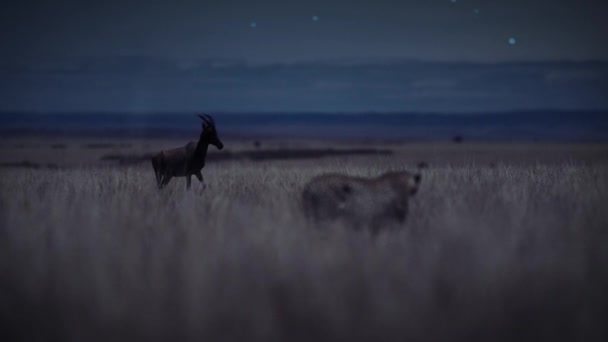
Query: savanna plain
[[502, 242]]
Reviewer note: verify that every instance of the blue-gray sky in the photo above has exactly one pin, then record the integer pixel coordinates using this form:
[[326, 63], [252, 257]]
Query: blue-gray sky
[[385, 55]]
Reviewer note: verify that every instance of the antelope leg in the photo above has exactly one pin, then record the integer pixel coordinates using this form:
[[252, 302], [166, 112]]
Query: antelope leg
[[199, 176], [166, 180]]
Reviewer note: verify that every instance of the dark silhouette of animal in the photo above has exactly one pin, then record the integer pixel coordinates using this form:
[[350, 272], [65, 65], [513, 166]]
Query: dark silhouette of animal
[[188, 160], [379, 203]]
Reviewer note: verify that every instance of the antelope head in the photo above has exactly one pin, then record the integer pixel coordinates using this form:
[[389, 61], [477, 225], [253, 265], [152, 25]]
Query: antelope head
[[209, 132]]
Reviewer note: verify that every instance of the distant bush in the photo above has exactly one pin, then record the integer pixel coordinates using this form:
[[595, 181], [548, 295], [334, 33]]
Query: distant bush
[[105, 145]]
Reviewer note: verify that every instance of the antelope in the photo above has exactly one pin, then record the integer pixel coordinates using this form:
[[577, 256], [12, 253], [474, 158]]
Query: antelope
[[187, 160], [374, 203]]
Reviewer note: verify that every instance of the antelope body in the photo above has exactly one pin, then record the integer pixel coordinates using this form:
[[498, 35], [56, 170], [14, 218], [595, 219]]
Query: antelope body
[[374, 203], [186, 161]]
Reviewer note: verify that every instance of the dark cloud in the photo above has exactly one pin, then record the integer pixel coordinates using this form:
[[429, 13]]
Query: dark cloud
[[156, 84]]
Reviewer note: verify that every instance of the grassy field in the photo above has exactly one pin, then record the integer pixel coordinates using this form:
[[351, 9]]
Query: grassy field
[[510, 251]]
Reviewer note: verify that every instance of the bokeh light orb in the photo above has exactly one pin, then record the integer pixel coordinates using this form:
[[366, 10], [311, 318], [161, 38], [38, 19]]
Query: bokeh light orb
[[315, 18], [512, 41], [253, 24]]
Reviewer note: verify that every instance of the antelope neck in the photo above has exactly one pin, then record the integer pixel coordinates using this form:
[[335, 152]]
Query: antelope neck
[[202, 146]]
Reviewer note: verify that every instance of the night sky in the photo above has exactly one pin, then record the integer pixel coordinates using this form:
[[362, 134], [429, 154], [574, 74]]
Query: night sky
[[229, 55]]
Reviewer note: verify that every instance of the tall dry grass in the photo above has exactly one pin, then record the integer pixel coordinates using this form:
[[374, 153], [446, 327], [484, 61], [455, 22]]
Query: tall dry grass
[[505, 253]]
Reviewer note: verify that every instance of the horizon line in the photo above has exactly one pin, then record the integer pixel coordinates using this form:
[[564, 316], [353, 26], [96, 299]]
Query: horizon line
[[263, 112]]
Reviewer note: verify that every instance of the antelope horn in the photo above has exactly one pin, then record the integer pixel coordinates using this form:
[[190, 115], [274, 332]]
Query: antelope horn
[[210, 119], [207, 118]]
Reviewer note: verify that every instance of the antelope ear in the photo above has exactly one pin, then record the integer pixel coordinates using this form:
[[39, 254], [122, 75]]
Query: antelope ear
[[202, 117]]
